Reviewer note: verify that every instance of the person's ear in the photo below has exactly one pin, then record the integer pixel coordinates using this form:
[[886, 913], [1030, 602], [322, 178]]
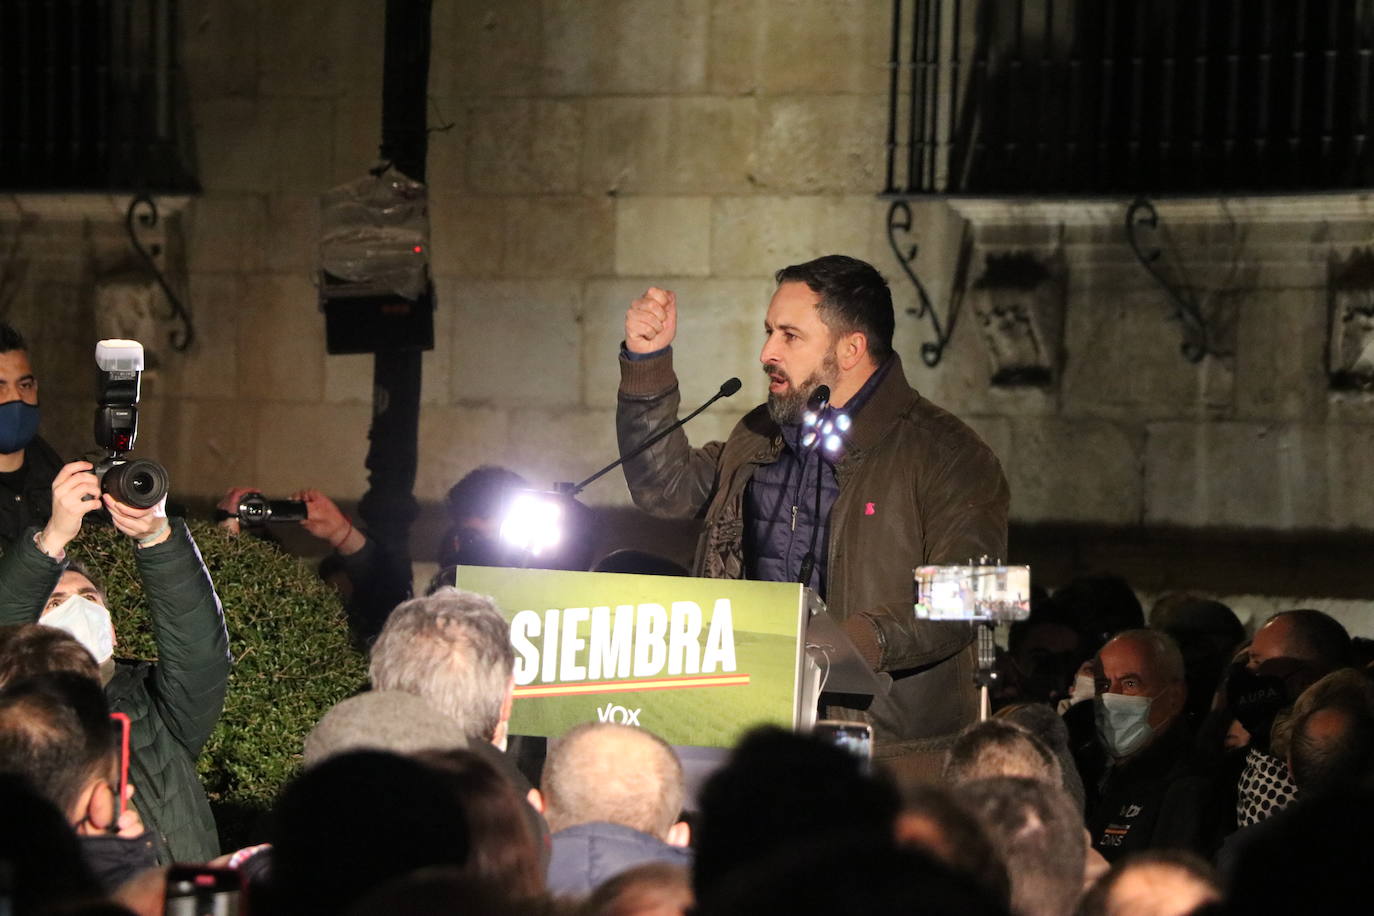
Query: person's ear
[[536, 800], [95, 810], [680, 834], [508, 703], [851, 350]]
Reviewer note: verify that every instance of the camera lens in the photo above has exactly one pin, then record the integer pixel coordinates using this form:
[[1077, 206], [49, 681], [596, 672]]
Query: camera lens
[[139, 483]]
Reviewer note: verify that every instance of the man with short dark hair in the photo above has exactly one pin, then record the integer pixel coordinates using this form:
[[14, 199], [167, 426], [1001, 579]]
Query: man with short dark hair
[[1150, 796], [55, 731], [27, 463], [612, 795], [907, 484]]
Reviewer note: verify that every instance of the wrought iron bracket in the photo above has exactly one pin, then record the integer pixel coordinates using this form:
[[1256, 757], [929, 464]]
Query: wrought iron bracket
[[900, 220], [1197, 342], [142, 212]]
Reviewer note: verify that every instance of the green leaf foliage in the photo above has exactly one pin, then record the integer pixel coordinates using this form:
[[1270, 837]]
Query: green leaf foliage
[[289, 639]]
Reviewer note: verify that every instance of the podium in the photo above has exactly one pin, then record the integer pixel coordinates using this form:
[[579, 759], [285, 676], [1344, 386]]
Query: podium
[[696, 661]]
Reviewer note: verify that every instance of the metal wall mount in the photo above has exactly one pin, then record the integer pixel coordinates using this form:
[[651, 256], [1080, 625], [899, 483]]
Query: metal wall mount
[[901, 221], [1199, 340], [143, 213]]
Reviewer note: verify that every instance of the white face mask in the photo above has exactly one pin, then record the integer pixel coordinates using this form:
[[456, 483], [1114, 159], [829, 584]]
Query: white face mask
[[87, 621], [1123, 723]]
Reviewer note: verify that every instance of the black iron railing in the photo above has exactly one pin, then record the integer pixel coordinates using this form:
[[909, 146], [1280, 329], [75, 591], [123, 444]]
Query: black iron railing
[[90, 97], [1022, 97]]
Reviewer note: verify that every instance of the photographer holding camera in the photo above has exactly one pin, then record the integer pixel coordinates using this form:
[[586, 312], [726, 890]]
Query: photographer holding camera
[[173, 703], [372, 582]]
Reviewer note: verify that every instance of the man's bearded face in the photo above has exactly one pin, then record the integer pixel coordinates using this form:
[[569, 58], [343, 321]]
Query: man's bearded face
[[787, 406]]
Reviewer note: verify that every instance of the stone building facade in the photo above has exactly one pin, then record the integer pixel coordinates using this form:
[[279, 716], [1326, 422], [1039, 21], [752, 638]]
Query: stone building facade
[[583, 150]]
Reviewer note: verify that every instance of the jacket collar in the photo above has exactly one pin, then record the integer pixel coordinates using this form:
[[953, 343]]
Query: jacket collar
[[890, 399], [880, 407]]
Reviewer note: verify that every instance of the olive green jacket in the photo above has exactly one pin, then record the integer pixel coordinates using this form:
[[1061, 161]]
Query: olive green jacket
[[173, 703], [917, 487]]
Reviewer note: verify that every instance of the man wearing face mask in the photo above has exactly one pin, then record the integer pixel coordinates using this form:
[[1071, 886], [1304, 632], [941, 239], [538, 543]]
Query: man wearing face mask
[[1148, 796], [27, 463], [172, 704]]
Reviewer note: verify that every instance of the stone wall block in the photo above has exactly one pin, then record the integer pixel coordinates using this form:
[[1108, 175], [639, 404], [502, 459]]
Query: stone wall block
[[299, 137], [1280, 348], [625, 46], [292, 237], [753, 235], [492, 47], [207, 444], [280, 339], [1074, 470], [218, 37], [1237, 475], [231, 151], [515, 343], [226, 232], [467, 234], [306, 445], [522, 146], [550, 446], [822, 143], [322, 50], [669, 146], [558, 237], [735, 46], [855, 44], [1351, 486], [1122, 351], [719, 334], [663, 236], [209, 369], [454, 441], [358, 135]]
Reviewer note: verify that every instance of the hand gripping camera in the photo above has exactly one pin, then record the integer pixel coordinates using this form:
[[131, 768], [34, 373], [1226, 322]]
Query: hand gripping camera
[[136, 482]]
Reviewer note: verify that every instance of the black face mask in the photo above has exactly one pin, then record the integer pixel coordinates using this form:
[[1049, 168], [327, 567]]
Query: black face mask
[[1255, 699]]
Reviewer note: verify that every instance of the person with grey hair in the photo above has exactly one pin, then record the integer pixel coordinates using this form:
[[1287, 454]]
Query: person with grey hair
[[1035, 827], [612, 796], [452, 649], [1151, 794]]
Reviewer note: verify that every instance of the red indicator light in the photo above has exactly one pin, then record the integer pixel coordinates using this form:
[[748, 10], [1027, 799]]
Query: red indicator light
[[419, 249]]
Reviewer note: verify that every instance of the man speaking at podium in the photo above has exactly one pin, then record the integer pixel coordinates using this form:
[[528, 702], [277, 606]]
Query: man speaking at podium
[[906, 484]]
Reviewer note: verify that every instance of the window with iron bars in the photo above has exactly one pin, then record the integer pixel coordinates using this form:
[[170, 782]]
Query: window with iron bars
[[1157, 97], [91, 97]]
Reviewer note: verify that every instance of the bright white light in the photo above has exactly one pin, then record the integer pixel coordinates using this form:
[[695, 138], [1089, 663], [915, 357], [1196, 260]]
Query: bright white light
[[809, 418], [842, 421], [533, 522], [832, 443], [809, 439], [827, 428]]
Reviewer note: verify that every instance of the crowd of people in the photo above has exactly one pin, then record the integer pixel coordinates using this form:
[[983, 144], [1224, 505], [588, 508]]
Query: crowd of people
[[1166, 766]]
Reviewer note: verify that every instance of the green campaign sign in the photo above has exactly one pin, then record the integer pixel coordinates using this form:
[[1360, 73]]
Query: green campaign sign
[[696, 661]]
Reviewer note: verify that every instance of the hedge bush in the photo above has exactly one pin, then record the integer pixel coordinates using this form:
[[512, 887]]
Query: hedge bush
[[289, 640]]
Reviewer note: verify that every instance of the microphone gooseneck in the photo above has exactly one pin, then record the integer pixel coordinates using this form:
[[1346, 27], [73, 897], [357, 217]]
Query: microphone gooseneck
[[728, 387]]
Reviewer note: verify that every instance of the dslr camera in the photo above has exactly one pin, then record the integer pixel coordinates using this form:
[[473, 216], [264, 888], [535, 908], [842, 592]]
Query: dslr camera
[[255, 510], [137, 482]]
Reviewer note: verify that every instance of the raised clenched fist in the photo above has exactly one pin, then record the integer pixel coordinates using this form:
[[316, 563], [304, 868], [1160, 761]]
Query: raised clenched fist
[[651, 322]]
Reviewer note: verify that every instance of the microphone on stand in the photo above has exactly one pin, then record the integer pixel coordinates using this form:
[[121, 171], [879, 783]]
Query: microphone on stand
[[728, 387]]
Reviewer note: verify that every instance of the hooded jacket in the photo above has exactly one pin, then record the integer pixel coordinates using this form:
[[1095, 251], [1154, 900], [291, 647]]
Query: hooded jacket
[[917, 486]]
